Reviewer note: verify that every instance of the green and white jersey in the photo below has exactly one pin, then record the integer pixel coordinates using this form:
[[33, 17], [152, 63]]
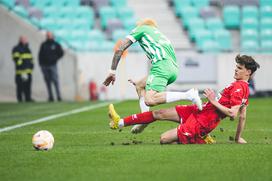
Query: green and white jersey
[[156, 45]]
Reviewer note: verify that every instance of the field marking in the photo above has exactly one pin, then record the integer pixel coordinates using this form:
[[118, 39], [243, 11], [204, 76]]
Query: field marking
[[54, 116]]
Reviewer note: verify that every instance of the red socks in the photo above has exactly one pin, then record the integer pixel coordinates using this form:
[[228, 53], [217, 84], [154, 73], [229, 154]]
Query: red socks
[[141, 118]]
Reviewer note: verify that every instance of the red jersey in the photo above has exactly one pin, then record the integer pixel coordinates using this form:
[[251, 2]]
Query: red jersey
[[234, 94]]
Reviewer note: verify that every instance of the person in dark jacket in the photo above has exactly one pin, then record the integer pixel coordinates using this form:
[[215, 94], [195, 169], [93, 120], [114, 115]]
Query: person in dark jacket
[[23, 60], [49, 54]]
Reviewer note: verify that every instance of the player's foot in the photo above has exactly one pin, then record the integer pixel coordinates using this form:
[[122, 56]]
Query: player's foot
[[209, 140], [138, 128], [195, 98], [114, 117]]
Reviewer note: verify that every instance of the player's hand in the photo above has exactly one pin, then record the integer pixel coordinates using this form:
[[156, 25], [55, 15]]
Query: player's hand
[[209, 94], [240, 141], [110, 79]]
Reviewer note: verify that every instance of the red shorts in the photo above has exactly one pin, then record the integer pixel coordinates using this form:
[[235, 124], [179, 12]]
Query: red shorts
[[191, 129]]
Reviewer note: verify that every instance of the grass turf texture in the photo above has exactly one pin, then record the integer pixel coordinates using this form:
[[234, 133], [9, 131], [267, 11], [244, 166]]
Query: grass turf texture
[[86, 149]]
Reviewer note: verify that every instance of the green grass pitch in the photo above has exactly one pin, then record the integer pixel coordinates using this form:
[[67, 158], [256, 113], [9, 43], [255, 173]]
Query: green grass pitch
[[86, 149]]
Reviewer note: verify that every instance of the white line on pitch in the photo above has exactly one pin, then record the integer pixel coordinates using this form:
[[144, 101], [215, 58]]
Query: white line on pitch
[[54, 116]]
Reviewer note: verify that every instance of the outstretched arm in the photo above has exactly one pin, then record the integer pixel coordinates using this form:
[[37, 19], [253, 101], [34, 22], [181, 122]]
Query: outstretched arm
[[231, 112], [241, 125], [116, 58]]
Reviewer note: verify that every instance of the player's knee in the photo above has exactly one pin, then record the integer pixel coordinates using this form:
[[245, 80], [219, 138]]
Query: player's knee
[[159, 114], [164, 139]]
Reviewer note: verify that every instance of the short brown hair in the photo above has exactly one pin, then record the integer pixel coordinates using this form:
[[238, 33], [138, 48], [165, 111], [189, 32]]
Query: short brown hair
[[248, 62]]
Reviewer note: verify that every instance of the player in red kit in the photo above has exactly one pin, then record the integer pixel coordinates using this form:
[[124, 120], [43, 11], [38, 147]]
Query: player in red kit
[[195, 124]]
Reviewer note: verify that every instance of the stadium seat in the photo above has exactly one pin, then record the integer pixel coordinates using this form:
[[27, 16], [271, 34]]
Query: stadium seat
[[231, 15], [95, 35], [265, 3], [106, 13], [72, 3], [124, 13], [202, 36], [214, 24], [209, 46], [179, 5], [119, 35], [118, 3], [194, 25], [266, 46], [129, 24], [249, 35], [266, 23], [249, 23], [49, 24], [266, 34], [40, 4], [266, 12], [52, 12], [8, 3], [21, 11], [249, 46], [187, 14], [250, 12], [200, 3], [194, 31], [224, 39]]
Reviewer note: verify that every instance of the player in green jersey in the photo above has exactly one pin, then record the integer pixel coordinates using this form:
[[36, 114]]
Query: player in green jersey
[[164, 69]]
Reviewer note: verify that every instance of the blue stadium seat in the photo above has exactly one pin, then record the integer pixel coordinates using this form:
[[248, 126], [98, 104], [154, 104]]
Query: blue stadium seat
[[266, 23], [266, 12], [224, 39], [179, 5], [250, 12], [231, 15], [214, 24], [249, 23], [8, 3], [118, 3], [250, 46], [119, 35], [106, 13], [266, 46], [96, 35], [266, 34], [265, 3], [209, 46], [200, 3], [21, 11], [203, 36], [249, 35]]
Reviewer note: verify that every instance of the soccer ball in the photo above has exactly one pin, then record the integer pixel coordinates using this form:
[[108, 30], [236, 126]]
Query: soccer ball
[[43, 140]]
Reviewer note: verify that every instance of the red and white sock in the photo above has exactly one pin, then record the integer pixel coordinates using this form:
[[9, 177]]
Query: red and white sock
[[141, 118]]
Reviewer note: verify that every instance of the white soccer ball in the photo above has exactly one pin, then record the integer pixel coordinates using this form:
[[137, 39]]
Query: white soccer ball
[[43, 140]]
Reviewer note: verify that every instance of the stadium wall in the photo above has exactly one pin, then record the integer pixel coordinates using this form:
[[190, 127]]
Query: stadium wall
[[11, 27]]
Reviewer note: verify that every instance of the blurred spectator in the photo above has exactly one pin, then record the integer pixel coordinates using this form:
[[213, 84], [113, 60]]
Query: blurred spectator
[[23, 60], [50, 53], [251, 85]]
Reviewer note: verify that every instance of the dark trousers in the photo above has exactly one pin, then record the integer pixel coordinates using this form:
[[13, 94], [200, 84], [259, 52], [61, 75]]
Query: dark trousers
[[23, 87], [50, 74]]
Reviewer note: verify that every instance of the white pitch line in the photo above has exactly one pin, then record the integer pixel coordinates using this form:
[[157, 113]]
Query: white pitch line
[[54, 116]]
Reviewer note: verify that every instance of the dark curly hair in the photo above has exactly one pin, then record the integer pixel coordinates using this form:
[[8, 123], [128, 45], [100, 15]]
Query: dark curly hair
[[248, 62]]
